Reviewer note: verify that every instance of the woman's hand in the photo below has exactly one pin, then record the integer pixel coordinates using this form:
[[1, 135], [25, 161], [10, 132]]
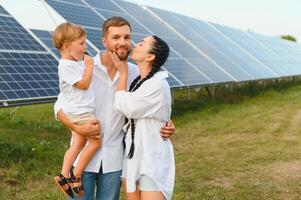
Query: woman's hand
[[121, 66]]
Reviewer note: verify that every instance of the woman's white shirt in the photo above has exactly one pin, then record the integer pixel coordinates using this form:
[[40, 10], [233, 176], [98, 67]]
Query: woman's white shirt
[[150, 106]]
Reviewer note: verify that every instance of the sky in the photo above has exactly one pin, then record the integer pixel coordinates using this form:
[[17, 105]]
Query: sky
[[269, 17]]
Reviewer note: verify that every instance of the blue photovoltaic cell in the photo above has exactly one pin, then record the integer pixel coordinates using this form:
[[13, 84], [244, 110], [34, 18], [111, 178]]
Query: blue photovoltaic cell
[[15, 37], [194, 59], [46, 37]]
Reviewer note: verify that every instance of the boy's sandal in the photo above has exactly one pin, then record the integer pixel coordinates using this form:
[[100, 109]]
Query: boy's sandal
[[76, 184], [63, 184]]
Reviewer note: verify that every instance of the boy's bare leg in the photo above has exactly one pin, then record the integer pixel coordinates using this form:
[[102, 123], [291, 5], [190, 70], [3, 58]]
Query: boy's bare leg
[[86, 155], [71, 154]]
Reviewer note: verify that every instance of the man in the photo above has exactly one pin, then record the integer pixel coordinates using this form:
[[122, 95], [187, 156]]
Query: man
[[104, 170]]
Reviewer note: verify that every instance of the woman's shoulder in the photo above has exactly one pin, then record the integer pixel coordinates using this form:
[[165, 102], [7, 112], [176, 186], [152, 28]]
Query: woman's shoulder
[[160, 77], [158, 81]]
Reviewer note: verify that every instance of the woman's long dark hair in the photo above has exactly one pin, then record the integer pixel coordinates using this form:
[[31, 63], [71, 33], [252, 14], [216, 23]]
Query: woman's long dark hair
[[161, 51]]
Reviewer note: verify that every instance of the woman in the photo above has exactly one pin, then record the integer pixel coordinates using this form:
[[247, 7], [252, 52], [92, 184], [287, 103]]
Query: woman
[[149, 169]]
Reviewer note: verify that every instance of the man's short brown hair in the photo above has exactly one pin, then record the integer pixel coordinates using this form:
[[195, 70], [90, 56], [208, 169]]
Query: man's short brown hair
[[67, 32], [114, 21]]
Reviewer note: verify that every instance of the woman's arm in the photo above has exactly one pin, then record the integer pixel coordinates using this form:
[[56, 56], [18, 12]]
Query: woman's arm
[[122, 67]]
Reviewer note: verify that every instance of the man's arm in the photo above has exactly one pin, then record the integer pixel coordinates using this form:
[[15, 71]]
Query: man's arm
[[90, 129], [168, 130]]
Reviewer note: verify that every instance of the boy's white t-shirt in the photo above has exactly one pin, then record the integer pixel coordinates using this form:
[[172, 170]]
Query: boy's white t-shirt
[[78, 101]]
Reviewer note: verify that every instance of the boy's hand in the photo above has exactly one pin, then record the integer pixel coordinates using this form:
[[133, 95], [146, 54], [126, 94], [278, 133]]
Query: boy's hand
[[88, 60]]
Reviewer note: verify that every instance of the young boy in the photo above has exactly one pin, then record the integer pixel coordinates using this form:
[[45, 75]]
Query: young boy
[[75, 78]]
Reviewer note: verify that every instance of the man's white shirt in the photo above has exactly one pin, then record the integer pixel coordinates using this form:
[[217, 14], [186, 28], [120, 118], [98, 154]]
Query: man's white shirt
[[110, 156]]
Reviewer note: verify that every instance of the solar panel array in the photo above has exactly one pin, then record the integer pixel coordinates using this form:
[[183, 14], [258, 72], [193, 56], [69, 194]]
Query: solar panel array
[[238, 52], [27, 69], [92, 13], [202, 53]]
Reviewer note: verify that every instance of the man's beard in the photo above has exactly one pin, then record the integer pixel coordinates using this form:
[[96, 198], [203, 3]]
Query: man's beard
[[123, 56]]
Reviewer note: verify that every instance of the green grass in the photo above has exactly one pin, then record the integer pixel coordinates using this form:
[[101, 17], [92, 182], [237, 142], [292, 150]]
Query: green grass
[[240, 145]]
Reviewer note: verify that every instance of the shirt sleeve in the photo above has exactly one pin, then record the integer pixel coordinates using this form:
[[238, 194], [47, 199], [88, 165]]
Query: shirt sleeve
[[71, 74], [139, 104]]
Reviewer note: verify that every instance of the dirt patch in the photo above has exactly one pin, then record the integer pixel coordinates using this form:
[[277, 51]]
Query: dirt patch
[[222, 182], [295, 122], [285, 171]]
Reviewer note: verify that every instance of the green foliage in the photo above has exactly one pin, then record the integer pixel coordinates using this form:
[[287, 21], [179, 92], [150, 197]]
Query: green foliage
[[12, 153], [289, 37]]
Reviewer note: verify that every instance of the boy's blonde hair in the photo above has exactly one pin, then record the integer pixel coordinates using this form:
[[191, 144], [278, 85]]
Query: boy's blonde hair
[[67, 32]]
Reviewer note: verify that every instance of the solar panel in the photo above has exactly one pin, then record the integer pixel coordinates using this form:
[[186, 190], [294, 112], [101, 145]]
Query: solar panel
[[260, 52], [46, 38], [83, 15], [99, 11], [94, 35], [108, 9], [196, 62], [27, 71], [288, 52], [220, 49], [3, 11], [14, 36], [77, 2], [193, 34]]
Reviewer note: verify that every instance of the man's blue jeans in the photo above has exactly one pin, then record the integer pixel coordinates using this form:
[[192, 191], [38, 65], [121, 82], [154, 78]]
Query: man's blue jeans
[[107, 185]]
